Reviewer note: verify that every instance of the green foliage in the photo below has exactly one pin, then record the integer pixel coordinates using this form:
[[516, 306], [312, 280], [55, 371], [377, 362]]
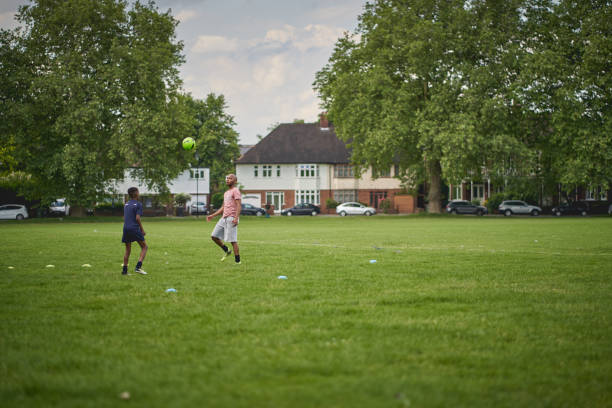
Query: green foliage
[[427, 84], [217, 200], [566, 86], [476, 202], [91, 88], [494, 201], [216, 140], [331, 203], [478, 89], [181, 199], [108, 206], [385, 205]]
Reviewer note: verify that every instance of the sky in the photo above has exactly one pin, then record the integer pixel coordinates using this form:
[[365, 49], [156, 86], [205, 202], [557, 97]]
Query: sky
[[262, 55]]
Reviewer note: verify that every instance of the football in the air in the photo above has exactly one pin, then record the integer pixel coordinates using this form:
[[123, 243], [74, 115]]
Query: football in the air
[[188, 143]]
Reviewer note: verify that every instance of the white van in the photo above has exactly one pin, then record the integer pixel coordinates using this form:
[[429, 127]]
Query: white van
[[59, 207]]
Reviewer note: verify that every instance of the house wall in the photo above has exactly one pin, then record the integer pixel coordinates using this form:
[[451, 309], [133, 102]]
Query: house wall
[[325, 183]]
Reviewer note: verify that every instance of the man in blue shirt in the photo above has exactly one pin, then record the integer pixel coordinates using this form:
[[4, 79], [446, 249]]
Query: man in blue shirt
[[133, 230]]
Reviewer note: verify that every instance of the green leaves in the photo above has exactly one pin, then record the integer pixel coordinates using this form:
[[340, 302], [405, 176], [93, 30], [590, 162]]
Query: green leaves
[[485, 88], [93, 90]]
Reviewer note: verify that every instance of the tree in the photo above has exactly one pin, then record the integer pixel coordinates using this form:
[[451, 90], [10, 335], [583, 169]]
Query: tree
[[216, 139], [93, 90], [566, 84], [429, 84]]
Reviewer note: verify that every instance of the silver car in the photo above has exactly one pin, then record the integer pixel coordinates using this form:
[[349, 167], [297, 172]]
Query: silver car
[[512, 207], [354, 209], [13, 212]]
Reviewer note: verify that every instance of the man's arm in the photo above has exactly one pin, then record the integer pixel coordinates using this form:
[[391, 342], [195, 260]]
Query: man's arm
[[238, 208], [213, 215]]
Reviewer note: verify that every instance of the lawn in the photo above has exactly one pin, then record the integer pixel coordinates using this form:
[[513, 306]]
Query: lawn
[[456, 311]]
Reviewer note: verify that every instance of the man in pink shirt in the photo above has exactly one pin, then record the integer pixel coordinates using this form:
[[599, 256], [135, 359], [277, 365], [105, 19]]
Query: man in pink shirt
[[227, 227]]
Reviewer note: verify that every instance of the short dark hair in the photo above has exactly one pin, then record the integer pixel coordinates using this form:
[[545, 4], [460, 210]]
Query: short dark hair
[[131, 191]]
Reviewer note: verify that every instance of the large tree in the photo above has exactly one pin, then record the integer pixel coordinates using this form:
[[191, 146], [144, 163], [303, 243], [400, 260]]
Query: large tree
[[566, 84], [429, 83], [92, 88]]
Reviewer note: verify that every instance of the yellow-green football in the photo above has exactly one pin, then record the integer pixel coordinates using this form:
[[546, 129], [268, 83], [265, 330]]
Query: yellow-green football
[[188, 143]]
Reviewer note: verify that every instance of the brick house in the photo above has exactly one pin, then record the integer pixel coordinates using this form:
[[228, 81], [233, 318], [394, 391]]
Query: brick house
[[307, 163]]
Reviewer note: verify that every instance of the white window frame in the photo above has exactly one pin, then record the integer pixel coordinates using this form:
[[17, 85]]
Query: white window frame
[[477, 187], [278, 171], [266, 170], [307, 170], [345, 196], [458, 192], [308, 197], [343, 171], [255, 171]]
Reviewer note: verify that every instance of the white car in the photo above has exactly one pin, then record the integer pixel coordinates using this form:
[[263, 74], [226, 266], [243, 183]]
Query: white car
[[354, 209], [13, 212], [59, 207]]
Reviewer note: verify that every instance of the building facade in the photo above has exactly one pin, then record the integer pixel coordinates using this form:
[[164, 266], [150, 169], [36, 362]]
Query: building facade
[[307, 163]]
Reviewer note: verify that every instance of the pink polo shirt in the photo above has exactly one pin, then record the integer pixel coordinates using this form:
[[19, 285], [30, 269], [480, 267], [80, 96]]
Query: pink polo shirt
[[230, 208]]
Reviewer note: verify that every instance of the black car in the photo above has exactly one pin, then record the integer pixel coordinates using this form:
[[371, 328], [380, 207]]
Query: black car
[[248, 209], [302, 209], [571, 208], [465, 207]]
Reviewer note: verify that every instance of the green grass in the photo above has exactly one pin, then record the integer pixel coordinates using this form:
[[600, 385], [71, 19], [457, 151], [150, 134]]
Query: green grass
[[457, 311]]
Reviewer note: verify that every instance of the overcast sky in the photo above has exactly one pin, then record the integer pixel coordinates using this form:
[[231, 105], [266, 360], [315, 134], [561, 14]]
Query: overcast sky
[[261, 54]]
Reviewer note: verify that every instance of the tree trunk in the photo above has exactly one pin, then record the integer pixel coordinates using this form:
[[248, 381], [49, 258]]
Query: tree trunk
[[434, 173]]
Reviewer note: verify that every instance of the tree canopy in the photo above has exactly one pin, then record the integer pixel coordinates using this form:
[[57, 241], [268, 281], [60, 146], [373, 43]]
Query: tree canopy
[[216, 139], [470, 89], [90, 88]]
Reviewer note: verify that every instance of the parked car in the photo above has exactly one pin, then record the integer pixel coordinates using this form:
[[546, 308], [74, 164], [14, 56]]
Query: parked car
[[512, 207], [571, 208], [465, 207], [198, 208], [352, 208], [249, 209], [13, 212], [302, 209], [59, 207]]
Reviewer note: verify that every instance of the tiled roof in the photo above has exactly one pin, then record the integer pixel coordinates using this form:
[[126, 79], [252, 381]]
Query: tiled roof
[[298, 143]]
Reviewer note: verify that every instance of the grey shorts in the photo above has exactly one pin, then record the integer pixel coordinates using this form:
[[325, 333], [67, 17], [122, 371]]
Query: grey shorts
[[226, 230]]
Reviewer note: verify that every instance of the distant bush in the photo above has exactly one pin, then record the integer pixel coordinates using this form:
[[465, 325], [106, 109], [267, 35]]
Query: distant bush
[[217, 200], [109, 206], [476, 202], [181, 199], [494, 201], [331, 203], [385, 205]]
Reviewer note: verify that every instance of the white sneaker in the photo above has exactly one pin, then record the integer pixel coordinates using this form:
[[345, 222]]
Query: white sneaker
[[140, 271], [228, 253]]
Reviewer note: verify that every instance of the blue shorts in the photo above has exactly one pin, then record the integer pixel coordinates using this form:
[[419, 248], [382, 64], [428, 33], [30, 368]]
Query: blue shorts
[[131, 235]]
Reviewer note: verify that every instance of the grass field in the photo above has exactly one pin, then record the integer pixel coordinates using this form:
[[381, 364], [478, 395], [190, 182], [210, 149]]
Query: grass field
[[456, 312]]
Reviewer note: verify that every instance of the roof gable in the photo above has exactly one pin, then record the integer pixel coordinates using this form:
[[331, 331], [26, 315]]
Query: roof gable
[[298, 143]]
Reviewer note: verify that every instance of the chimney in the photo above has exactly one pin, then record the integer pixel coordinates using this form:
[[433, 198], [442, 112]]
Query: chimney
[[323, 122]]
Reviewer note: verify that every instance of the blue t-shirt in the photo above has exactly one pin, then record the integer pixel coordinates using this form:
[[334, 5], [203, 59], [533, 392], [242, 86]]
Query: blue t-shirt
[[130, 210]]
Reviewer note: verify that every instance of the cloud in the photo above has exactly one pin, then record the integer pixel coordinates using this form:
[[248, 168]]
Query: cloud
[[272, 72], [319, 36], [333, 13], [283, 35], [214, 43], [7, 20], [186, 15]]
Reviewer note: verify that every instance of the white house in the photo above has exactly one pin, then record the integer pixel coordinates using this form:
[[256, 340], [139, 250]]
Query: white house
[[195, 182], [307, 163]]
